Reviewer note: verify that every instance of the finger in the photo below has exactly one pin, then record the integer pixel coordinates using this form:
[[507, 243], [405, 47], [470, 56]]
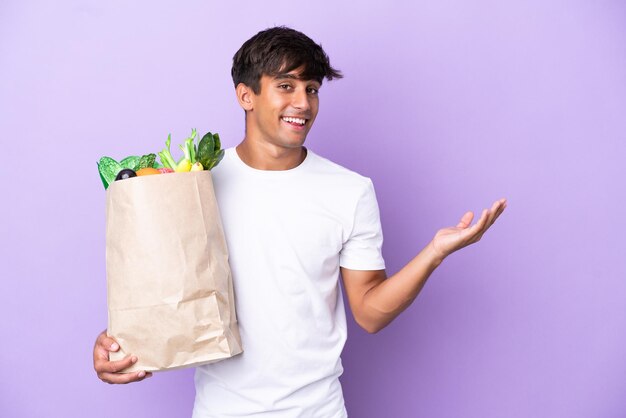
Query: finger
[[492, 213], [105, 366], [103, 345], [471, 234], [100, 354], [487, 219], [499, 212], [466, 220], [123, 378], [497, 209], [480, 224], [107, 342], [502, 204]]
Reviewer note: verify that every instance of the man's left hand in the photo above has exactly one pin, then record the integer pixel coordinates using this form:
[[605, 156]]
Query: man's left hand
[[449, 240]]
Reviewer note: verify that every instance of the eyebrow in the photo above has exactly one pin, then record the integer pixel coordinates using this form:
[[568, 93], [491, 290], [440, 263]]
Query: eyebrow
[[287, 75]]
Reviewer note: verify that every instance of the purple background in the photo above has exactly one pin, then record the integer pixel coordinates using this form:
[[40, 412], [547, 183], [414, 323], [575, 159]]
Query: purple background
[[446, 105]]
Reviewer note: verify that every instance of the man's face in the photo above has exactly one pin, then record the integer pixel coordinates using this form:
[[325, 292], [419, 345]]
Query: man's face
[[284, 110]]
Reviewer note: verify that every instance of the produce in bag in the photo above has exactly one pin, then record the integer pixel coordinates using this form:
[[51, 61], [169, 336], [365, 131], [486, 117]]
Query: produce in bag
[[169, 285]]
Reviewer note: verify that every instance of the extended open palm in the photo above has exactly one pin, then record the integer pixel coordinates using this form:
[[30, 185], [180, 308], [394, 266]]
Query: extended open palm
[[451, 239]]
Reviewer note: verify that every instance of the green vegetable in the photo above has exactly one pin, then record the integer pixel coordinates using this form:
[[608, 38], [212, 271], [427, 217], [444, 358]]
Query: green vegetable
[[218, 144], [189, 149], [209, 152], [104, 182], [108, 168], [206, 150], [193, 149], [146, 161], [216, 159], [130, 162], [166, 156]]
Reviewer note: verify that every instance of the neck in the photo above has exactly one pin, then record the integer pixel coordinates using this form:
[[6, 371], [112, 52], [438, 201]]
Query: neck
[[266, 156]]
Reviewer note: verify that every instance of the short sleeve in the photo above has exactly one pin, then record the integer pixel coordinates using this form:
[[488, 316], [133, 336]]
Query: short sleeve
[[363, 248]]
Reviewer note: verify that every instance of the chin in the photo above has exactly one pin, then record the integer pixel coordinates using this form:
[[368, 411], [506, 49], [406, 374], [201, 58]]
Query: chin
[[293, 143]]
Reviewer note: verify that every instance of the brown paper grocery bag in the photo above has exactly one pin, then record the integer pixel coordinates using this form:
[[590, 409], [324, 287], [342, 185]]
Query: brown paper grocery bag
[[169, 285]]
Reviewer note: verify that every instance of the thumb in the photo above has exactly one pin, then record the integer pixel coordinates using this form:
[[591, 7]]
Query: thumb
[[107, 343], [466, 220]]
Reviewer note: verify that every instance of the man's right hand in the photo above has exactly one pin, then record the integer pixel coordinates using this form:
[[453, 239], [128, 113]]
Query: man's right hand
[[109, 371]]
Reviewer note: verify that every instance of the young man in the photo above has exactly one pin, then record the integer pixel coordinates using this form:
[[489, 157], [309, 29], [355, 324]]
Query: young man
[[293, 221]]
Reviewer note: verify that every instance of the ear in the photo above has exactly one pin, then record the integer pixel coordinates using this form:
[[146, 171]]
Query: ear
[[245, 96]]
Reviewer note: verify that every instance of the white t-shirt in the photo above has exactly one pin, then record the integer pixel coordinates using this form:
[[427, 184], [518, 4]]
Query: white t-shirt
[[288, 232]]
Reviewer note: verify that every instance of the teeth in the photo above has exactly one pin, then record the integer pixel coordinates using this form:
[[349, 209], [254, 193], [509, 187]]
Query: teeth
[[294, 120]]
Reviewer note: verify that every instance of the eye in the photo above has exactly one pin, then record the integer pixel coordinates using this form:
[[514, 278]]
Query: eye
[[284, 86], [313, 90]]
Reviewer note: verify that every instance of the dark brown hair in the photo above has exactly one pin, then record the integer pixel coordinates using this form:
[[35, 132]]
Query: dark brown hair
[[279, 50]]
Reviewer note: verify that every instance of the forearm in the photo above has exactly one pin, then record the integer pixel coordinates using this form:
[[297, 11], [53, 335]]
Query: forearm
[[384, 302]]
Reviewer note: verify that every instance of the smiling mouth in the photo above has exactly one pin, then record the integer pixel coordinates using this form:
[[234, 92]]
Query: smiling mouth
[[294, 121]]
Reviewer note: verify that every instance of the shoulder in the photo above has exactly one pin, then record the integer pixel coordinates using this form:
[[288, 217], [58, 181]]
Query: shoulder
[[339, 175]]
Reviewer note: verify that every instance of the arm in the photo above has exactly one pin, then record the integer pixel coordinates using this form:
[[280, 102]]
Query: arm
[[109, 371], [376, 300]]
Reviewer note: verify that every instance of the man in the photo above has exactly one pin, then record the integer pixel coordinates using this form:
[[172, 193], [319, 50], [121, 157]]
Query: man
[[293, 220]]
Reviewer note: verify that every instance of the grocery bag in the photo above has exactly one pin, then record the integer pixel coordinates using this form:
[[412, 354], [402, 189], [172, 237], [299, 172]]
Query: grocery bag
[[169, 285]]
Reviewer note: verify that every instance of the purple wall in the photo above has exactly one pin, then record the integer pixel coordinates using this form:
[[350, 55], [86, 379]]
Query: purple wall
[[446, 105]]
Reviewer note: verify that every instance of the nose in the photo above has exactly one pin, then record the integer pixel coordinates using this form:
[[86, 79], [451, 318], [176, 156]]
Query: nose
[[300, 100]]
